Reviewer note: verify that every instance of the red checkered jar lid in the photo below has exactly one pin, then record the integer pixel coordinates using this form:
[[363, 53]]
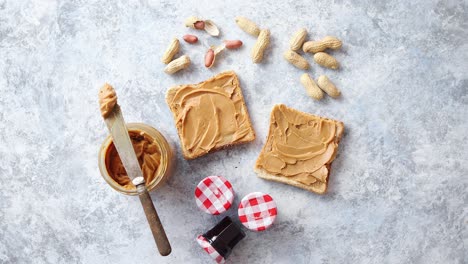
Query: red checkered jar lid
[[214, 195], [257, 211], [205, 244]]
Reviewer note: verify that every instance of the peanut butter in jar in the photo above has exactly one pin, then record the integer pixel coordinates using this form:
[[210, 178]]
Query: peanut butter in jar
[[154, 155]]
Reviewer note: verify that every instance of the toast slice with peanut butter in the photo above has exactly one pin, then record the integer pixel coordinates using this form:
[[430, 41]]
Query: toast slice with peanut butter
[[299, 149], [210, 115]]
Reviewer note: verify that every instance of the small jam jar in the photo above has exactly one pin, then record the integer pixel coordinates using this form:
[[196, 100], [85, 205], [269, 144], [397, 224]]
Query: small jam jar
[[219, 241], [162, 173]]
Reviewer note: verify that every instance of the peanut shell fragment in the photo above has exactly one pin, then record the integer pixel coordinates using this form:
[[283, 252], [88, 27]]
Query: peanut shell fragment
[[211, 28], [192, 21], [200, 24]]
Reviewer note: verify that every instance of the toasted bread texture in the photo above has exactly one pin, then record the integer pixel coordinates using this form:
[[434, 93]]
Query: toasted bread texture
[[316, 187], [299, 149], [210, 115]]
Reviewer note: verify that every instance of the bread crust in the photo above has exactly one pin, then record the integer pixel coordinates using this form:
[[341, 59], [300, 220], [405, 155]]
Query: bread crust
[[317, 187]]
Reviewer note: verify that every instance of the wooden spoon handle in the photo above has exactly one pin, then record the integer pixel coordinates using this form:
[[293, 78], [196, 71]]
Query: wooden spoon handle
[[153, 220]]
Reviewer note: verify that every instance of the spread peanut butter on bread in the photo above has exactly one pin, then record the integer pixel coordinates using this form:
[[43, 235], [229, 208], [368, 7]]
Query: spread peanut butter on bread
[[210, 115], [299, 149], [107, 99]]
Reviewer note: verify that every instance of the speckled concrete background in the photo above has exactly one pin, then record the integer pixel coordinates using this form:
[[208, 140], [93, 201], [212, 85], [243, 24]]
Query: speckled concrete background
[[398, 189]]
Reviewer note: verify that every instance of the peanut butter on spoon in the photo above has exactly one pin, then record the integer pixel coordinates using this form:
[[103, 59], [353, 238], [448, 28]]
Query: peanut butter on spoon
[[107, 99]]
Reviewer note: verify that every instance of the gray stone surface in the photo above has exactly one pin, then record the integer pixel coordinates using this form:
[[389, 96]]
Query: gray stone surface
[[398, 189]]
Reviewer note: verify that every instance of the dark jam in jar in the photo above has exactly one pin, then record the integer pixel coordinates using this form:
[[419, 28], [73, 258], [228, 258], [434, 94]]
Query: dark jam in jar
[[224, 236]]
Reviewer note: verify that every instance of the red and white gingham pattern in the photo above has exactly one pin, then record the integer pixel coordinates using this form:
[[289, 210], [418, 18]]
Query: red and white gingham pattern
[[257, 211], [210, 249], [214, 195]]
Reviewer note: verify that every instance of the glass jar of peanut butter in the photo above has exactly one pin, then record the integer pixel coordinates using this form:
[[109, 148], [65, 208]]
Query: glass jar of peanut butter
[[154, 155]]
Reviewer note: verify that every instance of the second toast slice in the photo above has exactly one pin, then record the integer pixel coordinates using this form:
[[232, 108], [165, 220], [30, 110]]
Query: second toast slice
[[300, 149]]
